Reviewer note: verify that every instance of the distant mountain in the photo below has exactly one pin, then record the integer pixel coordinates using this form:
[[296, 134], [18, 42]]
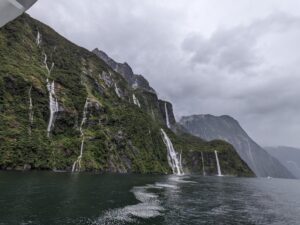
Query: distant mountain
[[288, 156], [228, 129]]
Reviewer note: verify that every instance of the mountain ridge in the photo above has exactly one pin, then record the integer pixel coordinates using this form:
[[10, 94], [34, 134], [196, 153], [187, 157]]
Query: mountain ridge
[[288, 156], [63, 108], [227, 128]]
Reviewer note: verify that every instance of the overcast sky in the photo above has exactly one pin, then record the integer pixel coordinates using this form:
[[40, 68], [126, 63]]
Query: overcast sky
[[235, 57]]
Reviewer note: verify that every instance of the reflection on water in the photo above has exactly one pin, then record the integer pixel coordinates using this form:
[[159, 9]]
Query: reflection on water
[[49, 198]]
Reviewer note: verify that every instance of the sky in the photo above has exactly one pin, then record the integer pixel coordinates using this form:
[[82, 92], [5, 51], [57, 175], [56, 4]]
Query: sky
[[222, 57]]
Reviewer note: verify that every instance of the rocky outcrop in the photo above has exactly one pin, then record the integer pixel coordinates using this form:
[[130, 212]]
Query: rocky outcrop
[[135, 81], [228, 129]]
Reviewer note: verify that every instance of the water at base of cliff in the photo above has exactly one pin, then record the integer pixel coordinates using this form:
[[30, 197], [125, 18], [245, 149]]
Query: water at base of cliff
[[63, 198]]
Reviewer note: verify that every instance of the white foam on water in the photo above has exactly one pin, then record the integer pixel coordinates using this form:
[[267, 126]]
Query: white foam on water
[[178, 179], [163, 185], [149, 207]]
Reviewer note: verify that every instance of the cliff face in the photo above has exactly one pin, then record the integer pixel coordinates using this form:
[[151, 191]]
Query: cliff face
[[135, 81], [226, 128], [158, 109], [64, 108]]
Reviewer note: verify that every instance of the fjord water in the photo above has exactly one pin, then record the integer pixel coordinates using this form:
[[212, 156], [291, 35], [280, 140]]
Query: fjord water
[[62, 198]]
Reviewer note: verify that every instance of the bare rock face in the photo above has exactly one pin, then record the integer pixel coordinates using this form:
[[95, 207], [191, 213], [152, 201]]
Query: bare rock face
[[136, 81]]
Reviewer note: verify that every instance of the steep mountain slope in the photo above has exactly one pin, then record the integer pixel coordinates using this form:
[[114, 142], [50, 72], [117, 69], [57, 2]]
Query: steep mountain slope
[[63, 108], [287, 156], [136, 81], [226, 128], [200, 157]]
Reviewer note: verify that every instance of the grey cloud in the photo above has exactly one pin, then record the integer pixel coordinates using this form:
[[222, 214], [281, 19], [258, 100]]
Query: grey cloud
[[235, 49], [237, 70]]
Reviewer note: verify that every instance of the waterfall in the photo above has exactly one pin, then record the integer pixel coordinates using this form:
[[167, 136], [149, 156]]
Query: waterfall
[[38, 39], [117, 90], [77, 164], [135, 85], [53, 105], [30, 109], [203, 167], [218, 164], [49, 70], [173, 160], [136, 101], [167, 116]]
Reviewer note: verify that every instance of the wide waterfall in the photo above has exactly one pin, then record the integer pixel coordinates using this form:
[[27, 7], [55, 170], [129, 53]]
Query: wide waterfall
[[167, 116], [53, 105], [77, 164], [136, 101], [173, 160], [218, 164]]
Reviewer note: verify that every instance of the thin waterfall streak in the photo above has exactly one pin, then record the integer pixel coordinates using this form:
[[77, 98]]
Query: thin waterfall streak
[[167, 116], [53, 106], [117, 91], [203, 167], [49, 70], [38, 39], [136, 101], [30, 109], [218, 164], [77, 164]]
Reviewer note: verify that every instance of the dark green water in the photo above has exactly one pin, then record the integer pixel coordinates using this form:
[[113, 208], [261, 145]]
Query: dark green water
[[61, 198]]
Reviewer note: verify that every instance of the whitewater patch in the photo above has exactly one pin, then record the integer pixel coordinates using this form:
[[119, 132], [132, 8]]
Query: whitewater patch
[[164, 185], [149, 207], [181, 179]]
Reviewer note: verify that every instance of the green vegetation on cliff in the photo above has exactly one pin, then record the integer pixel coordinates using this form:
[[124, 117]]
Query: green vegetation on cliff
[[117, 135]]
